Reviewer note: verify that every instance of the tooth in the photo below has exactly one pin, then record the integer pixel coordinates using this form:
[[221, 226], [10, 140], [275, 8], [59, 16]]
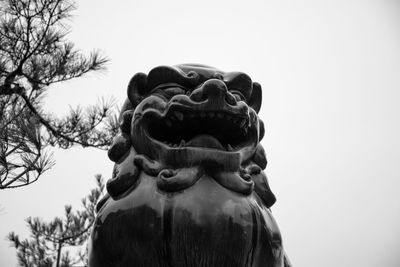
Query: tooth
[[182, 143], [169, 123], [229, 147], [203, 114], [191, 115], [220, 115], [179, 115], [229, 117], [211, 114]]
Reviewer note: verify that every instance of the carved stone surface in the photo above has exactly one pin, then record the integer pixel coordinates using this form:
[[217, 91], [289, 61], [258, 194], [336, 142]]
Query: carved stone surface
[[188, 187]]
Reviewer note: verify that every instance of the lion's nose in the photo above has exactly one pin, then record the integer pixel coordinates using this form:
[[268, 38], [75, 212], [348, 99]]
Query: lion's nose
[[215, 91]]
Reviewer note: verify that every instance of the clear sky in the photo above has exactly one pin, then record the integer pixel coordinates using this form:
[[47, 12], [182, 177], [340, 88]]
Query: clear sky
[[330, 72]]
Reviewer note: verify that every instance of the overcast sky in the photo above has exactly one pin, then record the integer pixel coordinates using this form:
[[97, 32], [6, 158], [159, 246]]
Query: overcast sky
[[330, 72]]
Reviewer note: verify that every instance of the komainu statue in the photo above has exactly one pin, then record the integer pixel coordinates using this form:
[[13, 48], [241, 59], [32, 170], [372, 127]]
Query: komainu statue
[[188, 187]]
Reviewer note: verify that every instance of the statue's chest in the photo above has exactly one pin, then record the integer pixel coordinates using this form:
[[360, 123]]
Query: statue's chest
[[204, 225]]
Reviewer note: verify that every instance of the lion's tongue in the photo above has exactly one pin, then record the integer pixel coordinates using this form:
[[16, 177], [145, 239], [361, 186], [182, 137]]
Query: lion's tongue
[[205, 140]]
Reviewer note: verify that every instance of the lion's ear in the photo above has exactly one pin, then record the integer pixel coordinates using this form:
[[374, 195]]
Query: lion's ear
[[255, 98], [259, 157], [261, 130], [137, 88]]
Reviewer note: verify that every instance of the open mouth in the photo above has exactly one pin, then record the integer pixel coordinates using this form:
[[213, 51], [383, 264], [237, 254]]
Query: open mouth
[[207, 129]]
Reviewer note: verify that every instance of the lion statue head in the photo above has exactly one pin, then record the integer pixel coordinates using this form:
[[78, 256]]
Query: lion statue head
[[188, 187]]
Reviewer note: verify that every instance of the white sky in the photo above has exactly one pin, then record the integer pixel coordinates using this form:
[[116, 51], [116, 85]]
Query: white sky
[[330, 72]]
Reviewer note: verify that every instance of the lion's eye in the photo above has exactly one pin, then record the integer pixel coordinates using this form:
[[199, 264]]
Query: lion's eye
[[171, 91], [238, 96]]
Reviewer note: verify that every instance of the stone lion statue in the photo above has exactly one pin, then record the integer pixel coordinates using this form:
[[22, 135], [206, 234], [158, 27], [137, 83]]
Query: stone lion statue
[[188, 187]]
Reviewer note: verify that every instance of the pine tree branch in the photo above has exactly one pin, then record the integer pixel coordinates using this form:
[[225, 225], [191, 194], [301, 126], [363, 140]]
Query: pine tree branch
[[44, 247], [39, 42], [66, 238], [54, 131], [24, 172], [34, 55]]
